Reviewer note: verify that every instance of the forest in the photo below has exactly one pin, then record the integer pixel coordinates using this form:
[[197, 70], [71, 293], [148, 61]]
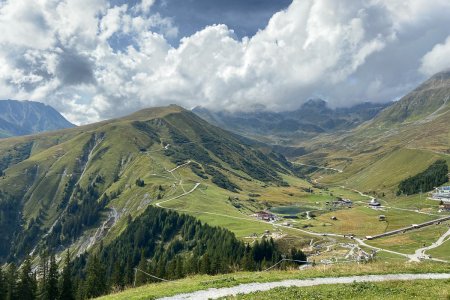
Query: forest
[[434, 176], [157, 244]]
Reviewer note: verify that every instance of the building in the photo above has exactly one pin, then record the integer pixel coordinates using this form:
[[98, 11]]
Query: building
[[265, 216], [374, 203], [445, 206], [343, 202], [382, 218], [441, 193]]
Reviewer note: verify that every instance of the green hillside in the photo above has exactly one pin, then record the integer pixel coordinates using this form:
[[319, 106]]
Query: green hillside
[[71, 186], [402, 141]]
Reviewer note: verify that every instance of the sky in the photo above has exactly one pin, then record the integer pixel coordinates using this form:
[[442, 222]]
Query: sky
[[99, 59]]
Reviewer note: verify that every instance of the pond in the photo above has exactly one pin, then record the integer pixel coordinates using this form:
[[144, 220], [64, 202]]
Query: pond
[[288, 210]]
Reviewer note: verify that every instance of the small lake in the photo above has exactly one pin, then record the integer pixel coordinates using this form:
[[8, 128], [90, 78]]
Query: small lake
[[288, 210]]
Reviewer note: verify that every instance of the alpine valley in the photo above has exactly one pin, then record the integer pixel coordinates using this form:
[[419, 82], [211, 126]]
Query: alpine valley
[[162, 194]]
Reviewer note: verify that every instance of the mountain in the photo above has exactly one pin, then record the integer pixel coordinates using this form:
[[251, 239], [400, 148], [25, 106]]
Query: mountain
[[28, 117], [428, 101], [401, 141], [77, 186], [313, 118]]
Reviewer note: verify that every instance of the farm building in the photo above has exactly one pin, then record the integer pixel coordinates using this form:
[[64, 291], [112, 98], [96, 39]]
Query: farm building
[[265, 216], [441, 193]]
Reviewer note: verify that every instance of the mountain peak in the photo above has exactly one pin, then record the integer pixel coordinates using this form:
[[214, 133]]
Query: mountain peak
[[315, 102], [28, 117], [155, 112]]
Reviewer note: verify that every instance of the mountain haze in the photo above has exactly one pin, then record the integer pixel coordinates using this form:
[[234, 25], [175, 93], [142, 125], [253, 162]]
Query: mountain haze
[[311, 119]]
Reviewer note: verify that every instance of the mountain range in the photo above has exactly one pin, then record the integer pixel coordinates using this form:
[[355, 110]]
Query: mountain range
[[28, 117], [312, 118]]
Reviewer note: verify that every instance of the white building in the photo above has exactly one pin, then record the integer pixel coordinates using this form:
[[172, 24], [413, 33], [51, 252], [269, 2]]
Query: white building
[[441, 193], [374, 203]]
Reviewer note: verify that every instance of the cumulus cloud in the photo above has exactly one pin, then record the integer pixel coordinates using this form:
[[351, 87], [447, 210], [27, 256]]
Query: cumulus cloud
[[93, 60], [437, 59]]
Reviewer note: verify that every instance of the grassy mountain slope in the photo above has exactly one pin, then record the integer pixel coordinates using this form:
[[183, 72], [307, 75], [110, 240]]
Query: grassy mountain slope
[[71, 186], [403, 140], [28, 117]]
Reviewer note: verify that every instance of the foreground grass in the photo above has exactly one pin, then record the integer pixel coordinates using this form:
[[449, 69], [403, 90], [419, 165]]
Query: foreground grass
[[417, 289], [201, 282]]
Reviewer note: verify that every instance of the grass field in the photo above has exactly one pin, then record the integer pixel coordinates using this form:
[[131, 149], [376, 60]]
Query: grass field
[[361, 221], [410, 241], [201, 282], [418, 289], [442, 252]]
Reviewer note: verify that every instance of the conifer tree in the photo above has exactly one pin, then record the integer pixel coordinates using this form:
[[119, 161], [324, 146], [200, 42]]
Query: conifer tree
[[27, 282], [66, 286], [51, 284], [11, 282], [42, 274], [117, 278], [95, 284], [141, 277], [2, 285]]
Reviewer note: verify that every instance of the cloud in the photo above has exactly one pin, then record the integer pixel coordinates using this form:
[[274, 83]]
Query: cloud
[[74, 69], [437, 59], [93, 60]]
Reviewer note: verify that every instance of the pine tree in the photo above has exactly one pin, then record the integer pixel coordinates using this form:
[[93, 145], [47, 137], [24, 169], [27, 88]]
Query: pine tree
[[205, 264], [42, 274], [51, 284], [117, 278], [179, 272], [11, 282], [27, 282], [95, 284], [141, 277], [66, 287], [2, 285]]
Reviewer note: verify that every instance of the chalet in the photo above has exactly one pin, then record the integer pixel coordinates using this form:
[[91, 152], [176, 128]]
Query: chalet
[[265, 216], [442, 193], [374, 203]]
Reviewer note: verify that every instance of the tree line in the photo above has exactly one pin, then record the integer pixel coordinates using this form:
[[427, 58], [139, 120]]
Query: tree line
[[435, 175], [44, 283], [159, 242]]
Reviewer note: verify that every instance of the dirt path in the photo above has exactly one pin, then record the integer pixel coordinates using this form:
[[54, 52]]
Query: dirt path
[[420, 253], [179, 196], [214, 293], [318, 167]]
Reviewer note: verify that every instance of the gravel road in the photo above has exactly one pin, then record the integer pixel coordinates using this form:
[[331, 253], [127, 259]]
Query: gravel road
[[248, 288]]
